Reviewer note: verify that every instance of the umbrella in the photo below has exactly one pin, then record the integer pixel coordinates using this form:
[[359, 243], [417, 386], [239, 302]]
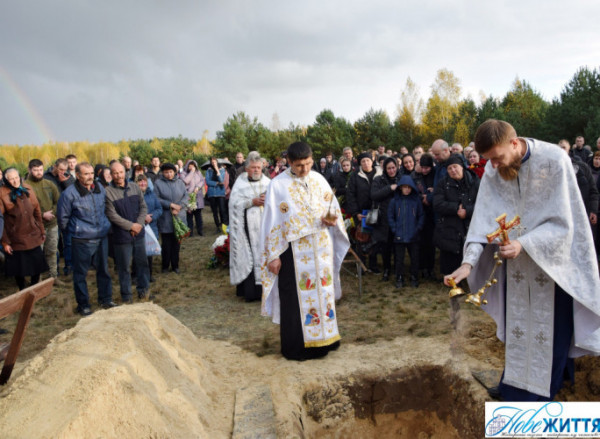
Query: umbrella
[[222, 162]]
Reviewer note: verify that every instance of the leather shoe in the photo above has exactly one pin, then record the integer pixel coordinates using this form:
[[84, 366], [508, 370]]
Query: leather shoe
[[152, 279], [85, 311], [164, 270], [107, 305], [386, 275]]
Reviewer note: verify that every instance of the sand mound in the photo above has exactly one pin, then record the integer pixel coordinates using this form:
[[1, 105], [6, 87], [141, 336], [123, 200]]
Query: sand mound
[[132, 371], [135, 371]]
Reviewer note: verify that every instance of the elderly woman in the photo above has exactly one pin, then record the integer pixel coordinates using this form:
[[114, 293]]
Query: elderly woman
[[139, 170], [453, 202], [154, 210], [217, 182], [24, 231], [194, 184], [171, 193]]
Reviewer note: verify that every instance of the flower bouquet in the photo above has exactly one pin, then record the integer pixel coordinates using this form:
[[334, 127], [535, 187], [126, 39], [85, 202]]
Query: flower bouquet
[[191, 204], [181, 229], [220, 257]]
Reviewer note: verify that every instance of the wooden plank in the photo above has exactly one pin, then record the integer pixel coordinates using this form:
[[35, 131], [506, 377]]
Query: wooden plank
[[23, 301], [13, 303], [18, 336]]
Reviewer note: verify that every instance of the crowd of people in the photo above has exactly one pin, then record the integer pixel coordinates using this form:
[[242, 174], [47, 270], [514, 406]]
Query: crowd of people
[[394, 203]]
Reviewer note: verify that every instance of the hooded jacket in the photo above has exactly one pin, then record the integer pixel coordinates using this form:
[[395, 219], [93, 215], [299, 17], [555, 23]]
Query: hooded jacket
[[405, 213]]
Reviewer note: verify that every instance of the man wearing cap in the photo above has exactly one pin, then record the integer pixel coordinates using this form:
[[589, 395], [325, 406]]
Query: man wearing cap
[[546, 302]]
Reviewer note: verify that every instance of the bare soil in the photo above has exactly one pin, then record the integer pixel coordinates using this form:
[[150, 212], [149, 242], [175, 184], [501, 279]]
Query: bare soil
[[96, 373]]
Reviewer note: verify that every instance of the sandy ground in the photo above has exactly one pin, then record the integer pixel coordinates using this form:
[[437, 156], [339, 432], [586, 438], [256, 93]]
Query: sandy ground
[[136, 371]]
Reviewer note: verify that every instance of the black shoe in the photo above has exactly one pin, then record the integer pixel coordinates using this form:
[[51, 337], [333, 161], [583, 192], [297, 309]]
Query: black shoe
[[85, 311], [494, 392], [3, 331], [152, 279], [107, 305], [127, 301], [164, 270], [176, 270], [200, 234], [414, 281], [374, 270], [67, 271], [386, 275], [399, 282]]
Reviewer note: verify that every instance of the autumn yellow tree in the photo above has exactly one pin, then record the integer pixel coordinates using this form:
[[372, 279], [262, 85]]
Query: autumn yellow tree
[[441, 107]]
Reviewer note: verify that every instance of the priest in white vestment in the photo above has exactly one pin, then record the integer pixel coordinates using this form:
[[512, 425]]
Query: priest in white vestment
[[546, 303], [246, 206], [304, 243]]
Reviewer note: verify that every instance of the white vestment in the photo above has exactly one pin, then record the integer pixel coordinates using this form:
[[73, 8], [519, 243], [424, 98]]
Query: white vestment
[[244, 253], [557, 247], [293, 211]]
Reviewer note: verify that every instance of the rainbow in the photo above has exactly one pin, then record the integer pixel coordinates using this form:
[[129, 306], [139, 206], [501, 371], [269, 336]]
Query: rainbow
[[23, 101]]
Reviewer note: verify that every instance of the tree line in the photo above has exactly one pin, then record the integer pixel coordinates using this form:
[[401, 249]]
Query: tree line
[[445, 115]]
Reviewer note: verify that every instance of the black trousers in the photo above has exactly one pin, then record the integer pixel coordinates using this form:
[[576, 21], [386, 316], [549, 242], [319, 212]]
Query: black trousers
[[197, 215], [170, 251], [219, 211], [292, 339], [413, 253]]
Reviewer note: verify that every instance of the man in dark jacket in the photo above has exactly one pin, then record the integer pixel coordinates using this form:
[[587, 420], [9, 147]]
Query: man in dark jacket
[[81, 212], [60, 176], [126, 210]]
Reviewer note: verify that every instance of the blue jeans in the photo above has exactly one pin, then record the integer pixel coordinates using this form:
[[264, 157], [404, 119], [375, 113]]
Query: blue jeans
[[89, 253], [123, 254]]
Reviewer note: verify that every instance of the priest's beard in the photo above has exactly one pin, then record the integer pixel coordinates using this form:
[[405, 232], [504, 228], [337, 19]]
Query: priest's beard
[[510, 171], [252, 177]]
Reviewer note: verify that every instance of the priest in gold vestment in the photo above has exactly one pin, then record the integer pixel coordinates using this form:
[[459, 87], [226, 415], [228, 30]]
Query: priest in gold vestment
[[304, 243]]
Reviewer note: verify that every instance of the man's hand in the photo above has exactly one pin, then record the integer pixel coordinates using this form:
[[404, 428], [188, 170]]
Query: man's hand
[[459, 274], [148, 219], [259, 201], [511, 250], [8, 249], [135, 229], [274, 266], [593, 218], [48, 216]]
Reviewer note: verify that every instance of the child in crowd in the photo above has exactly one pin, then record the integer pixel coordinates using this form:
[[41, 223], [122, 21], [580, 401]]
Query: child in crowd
[[406, 218]]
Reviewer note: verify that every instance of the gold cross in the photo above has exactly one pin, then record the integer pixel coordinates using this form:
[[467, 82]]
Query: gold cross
[[310, 301], [503, 229]]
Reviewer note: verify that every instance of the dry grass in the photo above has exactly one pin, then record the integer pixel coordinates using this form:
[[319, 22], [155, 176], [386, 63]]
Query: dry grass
[[204, 300]]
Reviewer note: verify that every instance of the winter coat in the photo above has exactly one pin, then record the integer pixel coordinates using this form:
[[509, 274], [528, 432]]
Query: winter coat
[[405, 213], [82, 212], [194, 182], [382, 194], [586, 184], [23, 225], [358, 194], [154, 208], [340, 182], [215, 182], [124, 207], [48, 175], [167, 192], [450, 230]]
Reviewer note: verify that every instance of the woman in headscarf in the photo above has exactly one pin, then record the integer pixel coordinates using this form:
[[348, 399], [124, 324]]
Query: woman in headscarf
[[24, 231], [154, 210], [382, 192], [194, 184], [453, 202], [170, 191]]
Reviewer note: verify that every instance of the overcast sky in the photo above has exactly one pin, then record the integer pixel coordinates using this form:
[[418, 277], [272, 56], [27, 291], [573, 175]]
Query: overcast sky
[[111, 70]]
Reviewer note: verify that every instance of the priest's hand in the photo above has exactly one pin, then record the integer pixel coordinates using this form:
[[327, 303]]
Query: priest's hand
[[329, 222], [259, 201], [274, 266], [459, 274], [511, 250]]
